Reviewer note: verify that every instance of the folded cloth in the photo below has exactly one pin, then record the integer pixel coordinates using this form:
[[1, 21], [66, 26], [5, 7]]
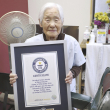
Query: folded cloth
[[97, 60]]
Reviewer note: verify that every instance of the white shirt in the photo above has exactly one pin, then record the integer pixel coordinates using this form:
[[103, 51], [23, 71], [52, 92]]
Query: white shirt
[[74, 53]]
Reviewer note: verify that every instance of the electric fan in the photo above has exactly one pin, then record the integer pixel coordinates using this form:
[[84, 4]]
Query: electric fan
[[16, 27]]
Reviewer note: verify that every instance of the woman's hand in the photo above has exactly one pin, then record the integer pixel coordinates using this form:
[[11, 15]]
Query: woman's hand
[[13, 78], [69, 77]]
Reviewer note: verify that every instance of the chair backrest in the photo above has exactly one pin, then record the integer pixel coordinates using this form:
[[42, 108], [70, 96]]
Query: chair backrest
[[5, 83], [6, 88], [106, 83], [99, 93]]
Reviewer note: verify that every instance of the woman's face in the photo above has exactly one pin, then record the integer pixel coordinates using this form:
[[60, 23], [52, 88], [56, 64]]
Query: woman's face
[[51, 23]]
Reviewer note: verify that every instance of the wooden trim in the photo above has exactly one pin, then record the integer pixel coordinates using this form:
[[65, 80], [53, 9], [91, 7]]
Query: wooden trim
[[91, 11]]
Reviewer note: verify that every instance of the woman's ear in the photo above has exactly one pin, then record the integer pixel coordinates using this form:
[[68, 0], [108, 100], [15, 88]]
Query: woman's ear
[[62, 21], [40, 23]]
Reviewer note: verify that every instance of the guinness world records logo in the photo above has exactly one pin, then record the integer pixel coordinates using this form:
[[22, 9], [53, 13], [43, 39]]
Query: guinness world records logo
[[40, 65]]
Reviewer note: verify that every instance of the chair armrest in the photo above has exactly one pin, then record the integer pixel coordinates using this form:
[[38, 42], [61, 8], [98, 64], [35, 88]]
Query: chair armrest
[[80, 101]]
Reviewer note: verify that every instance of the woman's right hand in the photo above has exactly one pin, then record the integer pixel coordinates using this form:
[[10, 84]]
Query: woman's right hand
[[13, 78]]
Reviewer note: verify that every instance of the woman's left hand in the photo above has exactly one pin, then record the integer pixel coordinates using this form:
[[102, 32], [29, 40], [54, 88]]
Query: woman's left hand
[[69, 77]]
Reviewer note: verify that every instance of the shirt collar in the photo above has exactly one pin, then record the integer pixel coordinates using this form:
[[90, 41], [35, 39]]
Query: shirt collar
[[61, 36]]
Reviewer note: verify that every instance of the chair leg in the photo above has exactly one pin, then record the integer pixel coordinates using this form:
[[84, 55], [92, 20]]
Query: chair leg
[[5, 100]]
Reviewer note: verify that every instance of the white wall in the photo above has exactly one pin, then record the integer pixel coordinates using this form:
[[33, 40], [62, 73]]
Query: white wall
[[76, 12]]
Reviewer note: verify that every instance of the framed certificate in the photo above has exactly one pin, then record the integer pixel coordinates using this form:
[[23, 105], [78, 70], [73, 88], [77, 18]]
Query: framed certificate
[[41, 69]]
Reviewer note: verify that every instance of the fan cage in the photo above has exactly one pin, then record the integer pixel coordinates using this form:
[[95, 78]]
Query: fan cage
[[16, 27]]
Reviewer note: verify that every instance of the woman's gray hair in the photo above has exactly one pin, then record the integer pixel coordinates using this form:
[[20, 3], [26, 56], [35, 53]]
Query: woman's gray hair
[[51, 5]]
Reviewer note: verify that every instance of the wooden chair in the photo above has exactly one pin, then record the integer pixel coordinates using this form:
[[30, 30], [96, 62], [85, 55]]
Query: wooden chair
[[7, 92]]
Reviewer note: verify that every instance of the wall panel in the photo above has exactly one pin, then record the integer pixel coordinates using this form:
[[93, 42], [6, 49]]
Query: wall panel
[[7, 6]]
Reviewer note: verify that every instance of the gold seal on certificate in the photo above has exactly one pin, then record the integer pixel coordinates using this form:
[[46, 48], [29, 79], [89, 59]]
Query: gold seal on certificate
[[41, 79], [54, 97]]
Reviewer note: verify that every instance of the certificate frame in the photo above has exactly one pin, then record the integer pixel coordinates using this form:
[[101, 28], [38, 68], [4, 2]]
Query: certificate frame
[[48, 46]]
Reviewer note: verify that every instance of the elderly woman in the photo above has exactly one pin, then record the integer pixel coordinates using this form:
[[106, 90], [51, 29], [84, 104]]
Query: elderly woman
[[51, 19]]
